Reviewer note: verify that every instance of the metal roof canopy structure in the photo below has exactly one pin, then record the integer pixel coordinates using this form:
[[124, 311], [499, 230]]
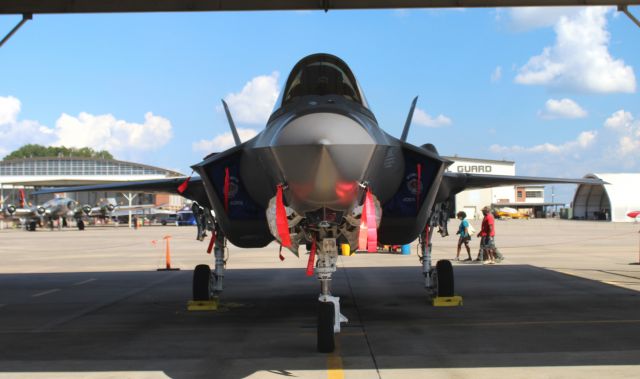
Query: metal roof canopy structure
[[116, 6], [27, 8], [618, 196], [68, 171]]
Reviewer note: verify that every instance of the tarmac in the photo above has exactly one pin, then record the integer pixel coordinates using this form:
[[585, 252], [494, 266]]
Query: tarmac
[[564, 304]]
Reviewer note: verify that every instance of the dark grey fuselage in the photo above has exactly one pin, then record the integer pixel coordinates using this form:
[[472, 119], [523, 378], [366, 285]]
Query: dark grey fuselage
[[324, 149]]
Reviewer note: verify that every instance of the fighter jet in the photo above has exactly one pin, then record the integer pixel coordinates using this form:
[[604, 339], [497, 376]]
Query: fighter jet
[[322, 173]]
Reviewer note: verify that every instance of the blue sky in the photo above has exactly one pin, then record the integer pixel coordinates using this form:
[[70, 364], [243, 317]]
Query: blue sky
[[553, 89]]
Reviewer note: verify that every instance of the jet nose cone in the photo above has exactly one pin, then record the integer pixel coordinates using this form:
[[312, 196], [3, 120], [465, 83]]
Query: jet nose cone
[[322, 157]]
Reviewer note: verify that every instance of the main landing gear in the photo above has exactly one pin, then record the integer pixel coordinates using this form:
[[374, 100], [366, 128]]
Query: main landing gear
[[437, 280], [208, 284], [329, 316]]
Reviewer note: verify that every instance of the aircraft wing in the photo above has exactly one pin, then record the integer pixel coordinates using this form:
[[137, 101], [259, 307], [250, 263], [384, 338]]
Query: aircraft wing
[[135, 207], [453, 183], [102, 6], [194, 190], [22, 212]]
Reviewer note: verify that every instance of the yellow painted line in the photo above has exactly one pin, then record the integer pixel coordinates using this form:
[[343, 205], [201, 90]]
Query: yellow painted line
[[45, 292], [334, 363]]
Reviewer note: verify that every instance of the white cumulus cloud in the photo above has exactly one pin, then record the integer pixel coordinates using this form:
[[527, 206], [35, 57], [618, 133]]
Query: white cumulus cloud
[[526, 18], [222, 141], [254, 103], [583, 141], [101, 132], [620, 120], [614, 147], [563, 108], [105, 132], [580, 59], [421, 117], [627, 133], [9, 109], [15, 132]]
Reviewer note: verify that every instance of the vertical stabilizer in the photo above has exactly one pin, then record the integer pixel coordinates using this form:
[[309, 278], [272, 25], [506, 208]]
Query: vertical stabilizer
[[236, 138], [407, 123]]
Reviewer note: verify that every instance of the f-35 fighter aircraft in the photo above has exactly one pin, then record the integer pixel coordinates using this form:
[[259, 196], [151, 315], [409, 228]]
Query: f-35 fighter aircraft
[[322, 173]]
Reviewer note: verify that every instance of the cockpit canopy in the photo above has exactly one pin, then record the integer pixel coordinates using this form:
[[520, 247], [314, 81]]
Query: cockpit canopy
[[321, 74]]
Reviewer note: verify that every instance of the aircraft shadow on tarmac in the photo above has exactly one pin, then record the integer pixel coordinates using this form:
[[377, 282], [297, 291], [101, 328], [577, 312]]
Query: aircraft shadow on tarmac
[[513, 316]]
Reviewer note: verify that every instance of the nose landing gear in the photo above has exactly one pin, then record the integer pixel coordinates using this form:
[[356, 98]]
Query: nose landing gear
[[329, 316]]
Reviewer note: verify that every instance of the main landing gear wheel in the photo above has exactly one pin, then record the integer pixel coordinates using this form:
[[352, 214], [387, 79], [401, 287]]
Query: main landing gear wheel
[[444, 270], [202, 283], [326, 320]]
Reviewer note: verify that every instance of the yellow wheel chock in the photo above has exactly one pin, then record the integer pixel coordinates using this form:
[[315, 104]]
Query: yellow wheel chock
[[447, 301], [202, 305]]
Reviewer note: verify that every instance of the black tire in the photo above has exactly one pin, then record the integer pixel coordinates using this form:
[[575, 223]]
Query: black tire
[[80, 225], [32, 226], [326, 317], [445, 278], [202, 283]]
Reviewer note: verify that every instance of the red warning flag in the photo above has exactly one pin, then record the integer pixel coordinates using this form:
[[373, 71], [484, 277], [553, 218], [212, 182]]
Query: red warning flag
[[281, 219], [312, 258], [372, 230], [183, 187], [368, 237], [213, 241], [21, 197]]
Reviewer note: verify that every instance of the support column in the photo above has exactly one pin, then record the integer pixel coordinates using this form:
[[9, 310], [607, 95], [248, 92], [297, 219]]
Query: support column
[[130, 197], [218, 273]]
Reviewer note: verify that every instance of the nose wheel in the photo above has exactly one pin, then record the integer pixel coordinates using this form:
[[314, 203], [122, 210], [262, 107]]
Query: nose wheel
[[326, 317], [202, 283]]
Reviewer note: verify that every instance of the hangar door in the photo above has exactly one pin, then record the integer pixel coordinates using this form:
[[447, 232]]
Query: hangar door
[[591, 202]]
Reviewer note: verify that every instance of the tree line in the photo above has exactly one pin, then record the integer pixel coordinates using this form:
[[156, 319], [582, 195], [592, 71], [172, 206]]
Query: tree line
[[39, 151]]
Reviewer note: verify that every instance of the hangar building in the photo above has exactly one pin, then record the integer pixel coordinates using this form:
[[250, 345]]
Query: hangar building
[[611, 201], [32, 173], [529, 198]]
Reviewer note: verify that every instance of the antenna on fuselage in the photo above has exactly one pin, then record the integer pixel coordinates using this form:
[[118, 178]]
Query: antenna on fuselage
[[232, 125], [407, 123]]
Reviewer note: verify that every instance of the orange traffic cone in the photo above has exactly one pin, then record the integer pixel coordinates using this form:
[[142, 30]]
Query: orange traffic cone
[[167, 258]]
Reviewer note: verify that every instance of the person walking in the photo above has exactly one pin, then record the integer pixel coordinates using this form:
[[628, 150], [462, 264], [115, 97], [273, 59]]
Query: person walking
[[487, 234], [464, 235]]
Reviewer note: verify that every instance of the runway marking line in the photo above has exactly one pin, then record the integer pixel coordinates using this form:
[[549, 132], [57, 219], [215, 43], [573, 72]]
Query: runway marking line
[[84, 282], [45, 292], [334, 363]]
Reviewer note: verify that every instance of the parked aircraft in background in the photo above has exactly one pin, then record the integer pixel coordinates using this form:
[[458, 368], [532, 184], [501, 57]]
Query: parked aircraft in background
[[506, 213], [58, 209], [105, 209], [322, 173]]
